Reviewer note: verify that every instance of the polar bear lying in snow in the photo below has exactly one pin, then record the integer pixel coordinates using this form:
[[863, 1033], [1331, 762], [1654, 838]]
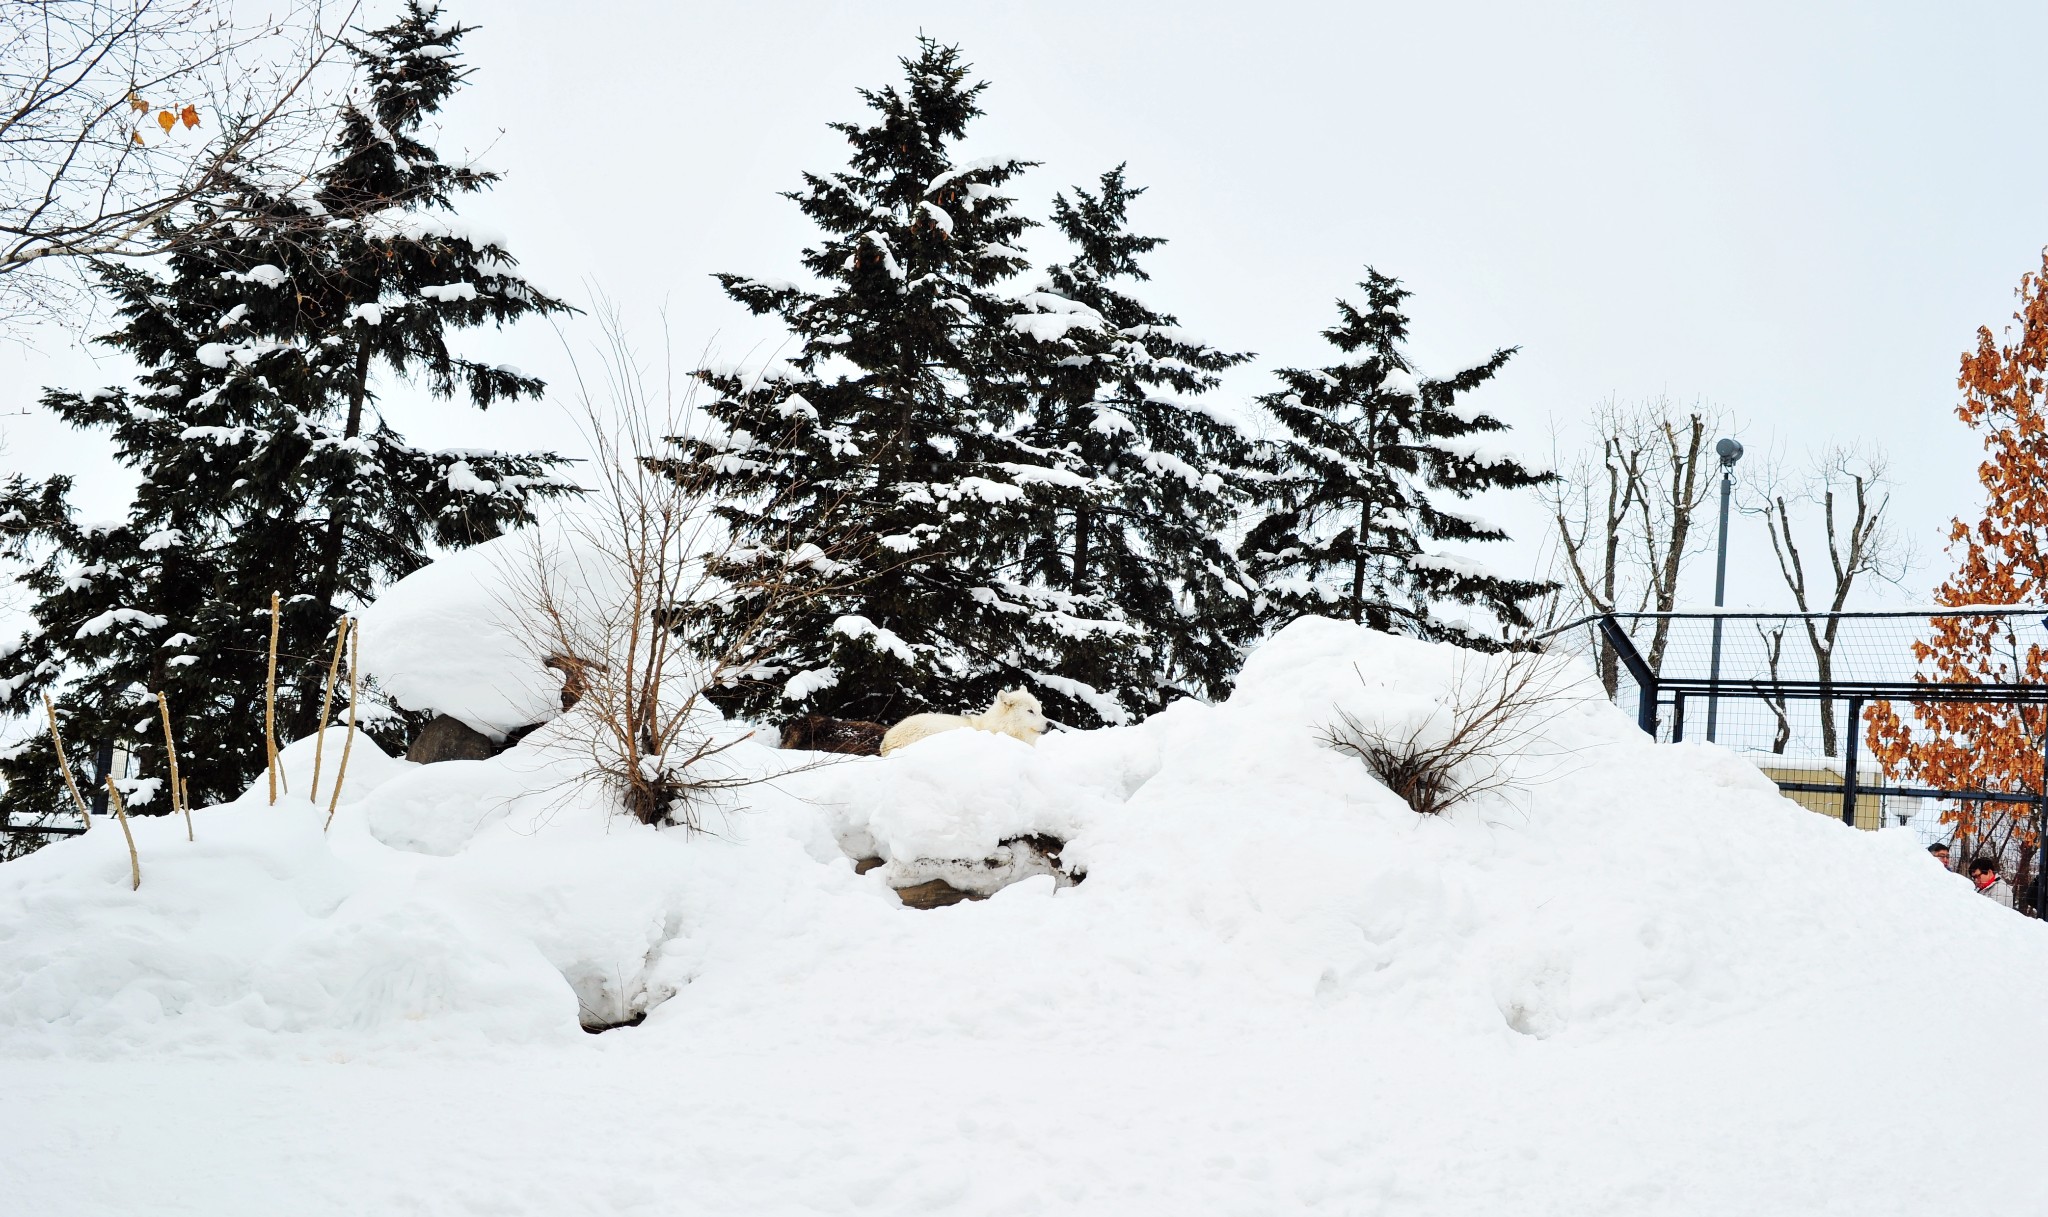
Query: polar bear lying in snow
[[1015, 713]]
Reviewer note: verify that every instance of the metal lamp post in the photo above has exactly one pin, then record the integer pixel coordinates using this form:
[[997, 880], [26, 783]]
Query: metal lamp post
[[1730, 452]]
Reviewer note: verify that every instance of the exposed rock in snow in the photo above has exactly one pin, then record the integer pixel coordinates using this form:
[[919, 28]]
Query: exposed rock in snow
[[927, 883], [823, 733], [448, 739]]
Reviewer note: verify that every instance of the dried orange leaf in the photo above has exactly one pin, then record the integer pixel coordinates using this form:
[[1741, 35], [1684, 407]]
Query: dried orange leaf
[[136, 136], [166, 119], [189, 116]]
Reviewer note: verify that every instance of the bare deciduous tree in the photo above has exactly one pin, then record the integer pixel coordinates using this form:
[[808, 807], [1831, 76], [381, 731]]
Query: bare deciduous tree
[[1850, 488], [115, 114], [1773, 639], [1624, 516]]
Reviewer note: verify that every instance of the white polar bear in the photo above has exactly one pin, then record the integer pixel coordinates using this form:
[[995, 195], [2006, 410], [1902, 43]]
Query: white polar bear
[[1015, 713]]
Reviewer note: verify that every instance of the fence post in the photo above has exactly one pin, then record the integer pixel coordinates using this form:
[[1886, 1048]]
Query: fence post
[[1677, 717], [2041, 831], [103, 764], [1849, 762], [1632, 659], [2040, 892]]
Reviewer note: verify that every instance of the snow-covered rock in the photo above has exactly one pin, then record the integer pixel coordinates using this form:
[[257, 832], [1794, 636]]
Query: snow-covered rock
[[455, 637]]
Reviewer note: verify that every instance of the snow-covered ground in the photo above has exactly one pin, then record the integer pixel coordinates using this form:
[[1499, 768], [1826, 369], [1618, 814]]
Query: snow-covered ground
[[1640, 982]]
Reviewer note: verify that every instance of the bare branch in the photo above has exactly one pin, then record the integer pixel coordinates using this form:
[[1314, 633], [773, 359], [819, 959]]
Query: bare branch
[[115, 115]]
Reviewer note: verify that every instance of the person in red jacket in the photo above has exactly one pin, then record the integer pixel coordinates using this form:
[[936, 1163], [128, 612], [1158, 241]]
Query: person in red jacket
[[1984, 873]]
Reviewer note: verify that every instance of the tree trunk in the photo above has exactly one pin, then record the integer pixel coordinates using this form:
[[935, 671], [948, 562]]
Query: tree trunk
[[887, 458], [103, 764], [1358, 548], [328, 578], [1830, 741], [1610, 659], [1082, 519]]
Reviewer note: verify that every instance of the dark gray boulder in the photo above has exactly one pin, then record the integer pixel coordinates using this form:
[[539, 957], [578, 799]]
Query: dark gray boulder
[[450, 739]]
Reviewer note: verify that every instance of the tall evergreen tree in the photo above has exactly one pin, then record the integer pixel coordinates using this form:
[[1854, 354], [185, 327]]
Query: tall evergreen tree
[[264, 459], [881, 471], [1355, 486], [1139, 531]]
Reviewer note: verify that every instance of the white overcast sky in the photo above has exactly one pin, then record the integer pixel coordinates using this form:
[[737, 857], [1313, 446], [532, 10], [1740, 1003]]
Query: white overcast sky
[[1798, 212]]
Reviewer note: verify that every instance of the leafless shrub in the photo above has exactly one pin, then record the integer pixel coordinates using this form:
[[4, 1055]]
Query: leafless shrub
[[1474, 740], [602, 601]]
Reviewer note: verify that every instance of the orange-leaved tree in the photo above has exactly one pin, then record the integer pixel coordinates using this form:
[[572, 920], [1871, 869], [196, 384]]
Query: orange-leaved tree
[[2001, 559]]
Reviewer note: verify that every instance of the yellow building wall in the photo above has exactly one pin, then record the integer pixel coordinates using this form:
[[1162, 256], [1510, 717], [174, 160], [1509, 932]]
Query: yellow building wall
[[1870, 803]]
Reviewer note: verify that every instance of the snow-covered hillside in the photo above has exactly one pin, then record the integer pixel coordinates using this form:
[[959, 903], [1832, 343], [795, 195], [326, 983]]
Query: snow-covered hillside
[[1640, 982]]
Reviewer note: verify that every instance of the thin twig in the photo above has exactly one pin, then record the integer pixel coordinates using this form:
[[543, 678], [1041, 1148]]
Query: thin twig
[[134, 859], [355, 655], [63, 765], [171, 750], [326, 702]]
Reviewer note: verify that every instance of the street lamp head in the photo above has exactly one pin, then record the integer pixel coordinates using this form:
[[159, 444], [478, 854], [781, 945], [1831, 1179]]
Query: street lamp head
[[1730, 451]]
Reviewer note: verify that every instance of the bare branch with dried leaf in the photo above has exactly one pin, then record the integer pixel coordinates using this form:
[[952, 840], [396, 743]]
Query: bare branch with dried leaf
[[115, 115]]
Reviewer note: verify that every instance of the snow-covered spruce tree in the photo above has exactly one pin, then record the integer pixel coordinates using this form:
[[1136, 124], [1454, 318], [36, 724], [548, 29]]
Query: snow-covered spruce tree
[[877, 479], [264, 461], [1138, 533], [1354, 487]]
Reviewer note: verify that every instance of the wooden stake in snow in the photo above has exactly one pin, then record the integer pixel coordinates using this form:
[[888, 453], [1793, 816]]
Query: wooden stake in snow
[[355, 654], [171, 750], [270, 707], [64, 766], [134, 859], [327, 702]]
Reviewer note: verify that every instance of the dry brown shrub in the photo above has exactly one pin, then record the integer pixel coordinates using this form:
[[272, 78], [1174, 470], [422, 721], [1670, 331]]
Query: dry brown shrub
[[1492, 715], [603, 601]]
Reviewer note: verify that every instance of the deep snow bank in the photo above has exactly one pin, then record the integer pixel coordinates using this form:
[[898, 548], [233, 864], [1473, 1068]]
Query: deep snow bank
[[1237, 871], [1642, 983]]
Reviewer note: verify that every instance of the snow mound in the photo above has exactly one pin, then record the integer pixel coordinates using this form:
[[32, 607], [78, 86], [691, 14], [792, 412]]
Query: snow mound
[[1278, 989]]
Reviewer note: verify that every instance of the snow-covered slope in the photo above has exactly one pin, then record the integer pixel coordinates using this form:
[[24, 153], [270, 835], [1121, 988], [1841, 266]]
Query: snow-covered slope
[[1640, 982]]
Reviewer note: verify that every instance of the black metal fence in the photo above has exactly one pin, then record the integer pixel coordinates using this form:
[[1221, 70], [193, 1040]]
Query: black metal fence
[[24, 832], [1793, 691]]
